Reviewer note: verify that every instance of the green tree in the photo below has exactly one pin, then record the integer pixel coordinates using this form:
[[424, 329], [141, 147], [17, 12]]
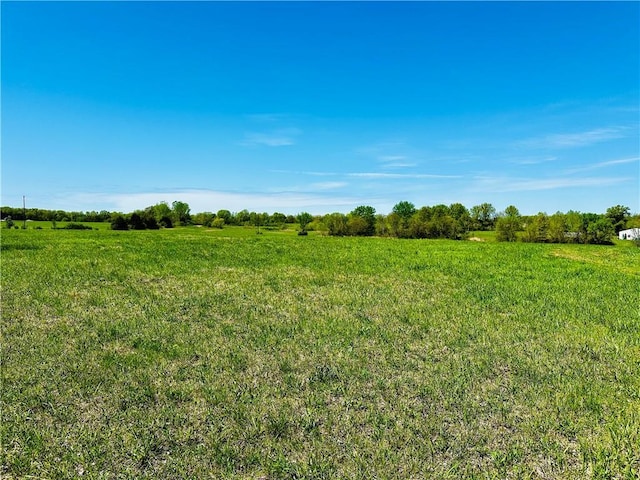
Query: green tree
[[395, 223], [368, 215], [618, 216], [135, 221], [304, 219], [573, 223], [204, 218], [258, 219], [8, 221], [224, 215], [507, 228], [162, 213], [382, 227], [118, 222], [507, 225], [462, 217], [418, 223], [404, 210], [536, 228], [278, 218], [483, 215], [458, 211], [512, 211], [243, 217], [181, 213], [600, 231], [357, 226], [336, 224], [557, 232]]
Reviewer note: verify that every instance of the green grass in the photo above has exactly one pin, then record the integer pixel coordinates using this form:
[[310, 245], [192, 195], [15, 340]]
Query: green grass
[[44, 225], [203, 353]]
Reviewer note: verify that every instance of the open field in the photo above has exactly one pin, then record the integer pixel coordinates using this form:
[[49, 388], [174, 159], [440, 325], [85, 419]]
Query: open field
[[196, 353]]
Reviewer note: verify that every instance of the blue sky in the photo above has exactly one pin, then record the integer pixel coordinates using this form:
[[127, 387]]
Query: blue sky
[[321, 107]]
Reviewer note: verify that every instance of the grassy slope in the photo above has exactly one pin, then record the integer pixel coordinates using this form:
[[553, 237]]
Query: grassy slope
[[193, 353]]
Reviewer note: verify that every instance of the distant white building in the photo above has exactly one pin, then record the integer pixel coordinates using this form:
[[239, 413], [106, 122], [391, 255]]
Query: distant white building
[[629, 234]]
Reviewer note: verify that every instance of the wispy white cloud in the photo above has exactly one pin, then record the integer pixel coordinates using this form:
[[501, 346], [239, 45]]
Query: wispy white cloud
[[395, 161], [398, 175], [533, 160], [507, 184], [578, 139], [267, 117], [275, 138], [382, 148], [213, 200], [608, 163], [328, 185], [367, 174], [391, 158], [315, 174]]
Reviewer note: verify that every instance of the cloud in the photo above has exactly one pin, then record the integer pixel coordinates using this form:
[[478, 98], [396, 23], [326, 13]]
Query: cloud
[[573, 140], [275, 138], [398, 175], [533, 160], [315, 174], [395, 161], [605, 164], [267, 117], [506, 184], [328, 185], [213, 200]]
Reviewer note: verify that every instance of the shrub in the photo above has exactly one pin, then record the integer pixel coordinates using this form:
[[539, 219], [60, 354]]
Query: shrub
[[76, 226], [218, 223], [118, 222]]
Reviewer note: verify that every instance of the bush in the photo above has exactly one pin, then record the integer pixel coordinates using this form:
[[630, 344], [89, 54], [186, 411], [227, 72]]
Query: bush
[[76, 226], [118, 222], [218, 223]]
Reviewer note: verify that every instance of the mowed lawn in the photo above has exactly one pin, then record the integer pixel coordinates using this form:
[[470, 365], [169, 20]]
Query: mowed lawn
[[197, 353]]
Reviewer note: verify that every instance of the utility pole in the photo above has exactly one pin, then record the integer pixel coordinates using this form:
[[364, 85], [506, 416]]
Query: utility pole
[[24, 212]]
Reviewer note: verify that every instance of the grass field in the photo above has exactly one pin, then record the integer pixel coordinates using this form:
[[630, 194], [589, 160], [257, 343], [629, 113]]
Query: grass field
[[197, 353]]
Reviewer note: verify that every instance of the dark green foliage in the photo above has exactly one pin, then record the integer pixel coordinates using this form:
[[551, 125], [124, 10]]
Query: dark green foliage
[[224, 215], [278, 218], [600, 231], [165, 222], [404, 210], [362, 221], [557, 231], [512, 211], [243, 217], [507, 228], [536, 228], [204, 218], [337, 224], [618, 216], [136, 222], [484, 216], [118, 222], [181, 213], [76, 226], [304, 219]]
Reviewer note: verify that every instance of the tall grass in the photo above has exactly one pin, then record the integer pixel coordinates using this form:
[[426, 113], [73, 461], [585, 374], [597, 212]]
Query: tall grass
[[195, 353]]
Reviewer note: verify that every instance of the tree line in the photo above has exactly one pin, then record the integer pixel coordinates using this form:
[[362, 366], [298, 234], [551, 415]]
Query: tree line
[[455, 221], [452, 221]]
